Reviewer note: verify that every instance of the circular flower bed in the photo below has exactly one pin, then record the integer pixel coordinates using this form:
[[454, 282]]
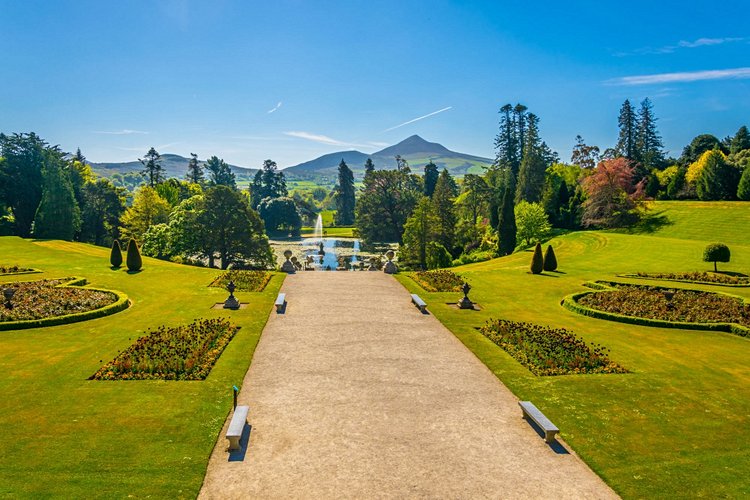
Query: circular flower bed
[[549, 351], [440, 280], [42, 299], [246, 281], [697, 277], [687, 306]]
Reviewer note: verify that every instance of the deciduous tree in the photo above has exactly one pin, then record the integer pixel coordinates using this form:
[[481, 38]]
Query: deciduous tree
[[148, 208], [420, 230], [219, 173], [613, 199], [531, 222], [58, 215]]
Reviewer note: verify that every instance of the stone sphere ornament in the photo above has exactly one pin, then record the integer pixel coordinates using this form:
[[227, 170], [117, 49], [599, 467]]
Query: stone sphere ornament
[[390, 266]]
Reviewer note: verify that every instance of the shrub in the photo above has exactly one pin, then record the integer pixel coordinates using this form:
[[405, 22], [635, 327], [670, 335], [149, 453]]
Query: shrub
[[537, 261], [550, 261], [186, 352], [440, 280], [134, 260], [14, 270], [438, 256], [549, 351], [245, 281], [115, 256], [716, 252]]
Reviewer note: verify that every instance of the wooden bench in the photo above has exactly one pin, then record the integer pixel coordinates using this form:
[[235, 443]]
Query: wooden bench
[[280, 302], [236, 426], [418, 302], [532, 412]]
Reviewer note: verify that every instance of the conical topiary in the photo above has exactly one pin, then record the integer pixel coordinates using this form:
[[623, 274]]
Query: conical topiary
[[134, 260], [537, 261], [550, 261], [115, 256]]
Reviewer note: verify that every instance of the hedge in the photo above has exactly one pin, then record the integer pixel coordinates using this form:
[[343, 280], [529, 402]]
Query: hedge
[[570, 303], [710, 283], [30, 271], [120, 304]]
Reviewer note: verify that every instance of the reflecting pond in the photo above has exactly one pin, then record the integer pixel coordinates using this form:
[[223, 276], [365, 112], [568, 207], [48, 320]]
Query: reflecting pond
[[336, 253]]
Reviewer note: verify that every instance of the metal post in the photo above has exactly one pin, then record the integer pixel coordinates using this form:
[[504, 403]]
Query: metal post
[[235, 391]]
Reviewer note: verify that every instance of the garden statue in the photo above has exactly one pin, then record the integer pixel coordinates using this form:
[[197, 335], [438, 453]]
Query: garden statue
[[231, 302], [390, 266], [321, 251], [8, 293], [288, 266], [373, 264], [465, 303], [669, 295]]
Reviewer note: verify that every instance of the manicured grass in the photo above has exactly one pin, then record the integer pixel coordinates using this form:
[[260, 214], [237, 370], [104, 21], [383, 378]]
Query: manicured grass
[[332, 232], [69, 437], [674, 427]]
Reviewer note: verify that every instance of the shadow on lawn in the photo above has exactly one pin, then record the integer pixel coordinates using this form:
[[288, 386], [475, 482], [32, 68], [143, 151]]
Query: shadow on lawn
[[650, 223], [555, 445]]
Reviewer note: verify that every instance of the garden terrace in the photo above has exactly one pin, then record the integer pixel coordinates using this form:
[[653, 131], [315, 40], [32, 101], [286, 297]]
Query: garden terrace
[[440, 280], [245, 281], [186, 352], [549, 351]]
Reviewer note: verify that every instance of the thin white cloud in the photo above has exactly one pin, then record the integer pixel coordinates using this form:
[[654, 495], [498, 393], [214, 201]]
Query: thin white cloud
[[702, 42], [419, 118], [378, 144], [120, 132], [323, 139], [688, 76], [274, 108]]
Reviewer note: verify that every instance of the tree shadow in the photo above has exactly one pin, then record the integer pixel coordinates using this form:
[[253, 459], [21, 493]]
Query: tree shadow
[[650, 223], [731, 273], [135, 272]]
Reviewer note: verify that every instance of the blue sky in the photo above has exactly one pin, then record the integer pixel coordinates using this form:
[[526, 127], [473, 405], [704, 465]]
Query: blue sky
[[292, 80]]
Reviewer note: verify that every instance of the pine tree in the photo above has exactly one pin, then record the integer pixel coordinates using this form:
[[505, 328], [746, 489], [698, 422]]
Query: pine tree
[[628, 123], [369, 166], [115, 256], [550, 261], [443, 203], [220, 174], [430, 178], [521, 132], [506, 230], [133, 258], [648, 142], [152, 168], [583, 155], [194, 170], [743, 190], [533, 166], [740, 141], [345, 196], [537, 260], [506, 143], [58, 215]]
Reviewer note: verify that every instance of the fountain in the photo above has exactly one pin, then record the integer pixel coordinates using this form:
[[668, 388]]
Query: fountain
[[318, 233]]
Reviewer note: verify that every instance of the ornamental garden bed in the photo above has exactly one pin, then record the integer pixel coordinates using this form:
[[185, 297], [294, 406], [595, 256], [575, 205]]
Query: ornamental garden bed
[[665, 307], [9, 270], [185, 352], [699, 277], [245, 281], [440, 280], [549, 351], [57, 301]]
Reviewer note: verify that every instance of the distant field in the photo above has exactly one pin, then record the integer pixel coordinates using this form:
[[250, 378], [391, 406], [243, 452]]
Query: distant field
[[342, 232], [675, 426]]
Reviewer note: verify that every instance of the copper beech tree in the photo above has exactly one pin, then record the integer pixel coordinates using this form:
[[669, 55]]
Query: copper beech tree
[[613, 199]]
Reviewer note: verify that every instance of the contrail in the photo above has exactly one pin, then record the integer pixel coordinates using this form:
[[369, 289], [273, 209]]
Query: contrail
[[417, 119]]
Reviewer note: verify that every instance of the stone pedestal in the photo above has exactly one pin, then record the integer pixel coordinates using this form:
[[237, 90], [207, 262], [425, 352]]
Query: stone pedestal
[[288, 266], [390, 267], [465, 303]]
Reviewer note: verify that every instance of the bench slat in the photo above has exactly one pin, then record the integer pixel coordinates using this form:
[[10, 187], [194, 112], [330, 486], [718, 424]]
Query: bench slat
[[281, 299], [541, 420], [416, 299], [236, 426]]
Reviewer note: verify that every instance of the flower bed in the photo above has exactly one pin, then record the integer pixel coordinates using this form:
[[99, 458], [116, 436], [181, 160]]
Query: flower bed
[[549, 351], [687, 306], [41, 299], [245, 281], [185, 352], [16, 270], [696, 277], [440, 280]]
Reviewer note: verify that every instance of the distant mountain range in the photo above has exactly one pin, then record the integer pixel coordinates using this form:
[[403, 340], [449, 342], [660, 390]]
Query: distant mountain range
[[173, 165], [414, 150], [417, 151]]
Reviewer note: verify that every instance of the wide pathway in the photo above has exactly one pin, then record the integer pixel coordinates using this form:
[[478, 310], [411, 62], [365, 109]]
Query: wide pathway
[[354, 393]]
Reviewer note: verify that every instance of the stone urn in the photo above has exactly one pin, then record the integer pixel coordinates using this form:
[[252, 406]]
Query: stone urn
[[288, 266], [231, 302], [465, 303], [390, 266], [373, 264]]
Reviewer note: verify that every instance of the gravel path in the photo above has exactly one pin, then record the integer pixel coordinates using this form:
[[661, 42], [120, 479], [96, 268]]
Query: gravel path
[[354, 393]]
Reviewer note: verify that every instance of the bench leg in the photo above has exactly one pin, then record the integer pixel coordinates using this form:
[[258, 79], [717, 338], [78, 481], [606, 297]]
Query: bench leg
[[234, 442], [549, 436]]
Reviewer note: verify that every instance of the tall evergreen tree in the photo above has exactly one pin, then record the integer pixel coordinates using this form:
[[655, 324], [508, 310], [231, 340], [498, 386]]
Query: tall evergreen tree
[[369, 166], [718, 179], [269, 181], [628, 123], [102, 206], [533, 165], [740, 141], [584, 156], [194, 170], [21, 176], [521, 132], [743, 189], [430, 178], [58, 216], [420, 230], [443, 203], [219, 173], [152, 168], [506, 143], [506, 230], [648, 142], [345, 196]]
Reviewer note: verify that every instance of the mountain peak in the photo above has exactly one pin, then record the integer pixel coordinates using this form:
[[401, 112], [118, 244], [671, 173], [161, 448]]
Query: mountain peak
[[412, 145]]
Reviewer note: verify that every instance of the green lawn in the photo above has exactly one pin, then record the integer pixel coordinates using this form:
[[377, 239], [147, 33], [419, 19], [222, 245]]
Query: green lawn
[[69, 437], [675, 426]]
